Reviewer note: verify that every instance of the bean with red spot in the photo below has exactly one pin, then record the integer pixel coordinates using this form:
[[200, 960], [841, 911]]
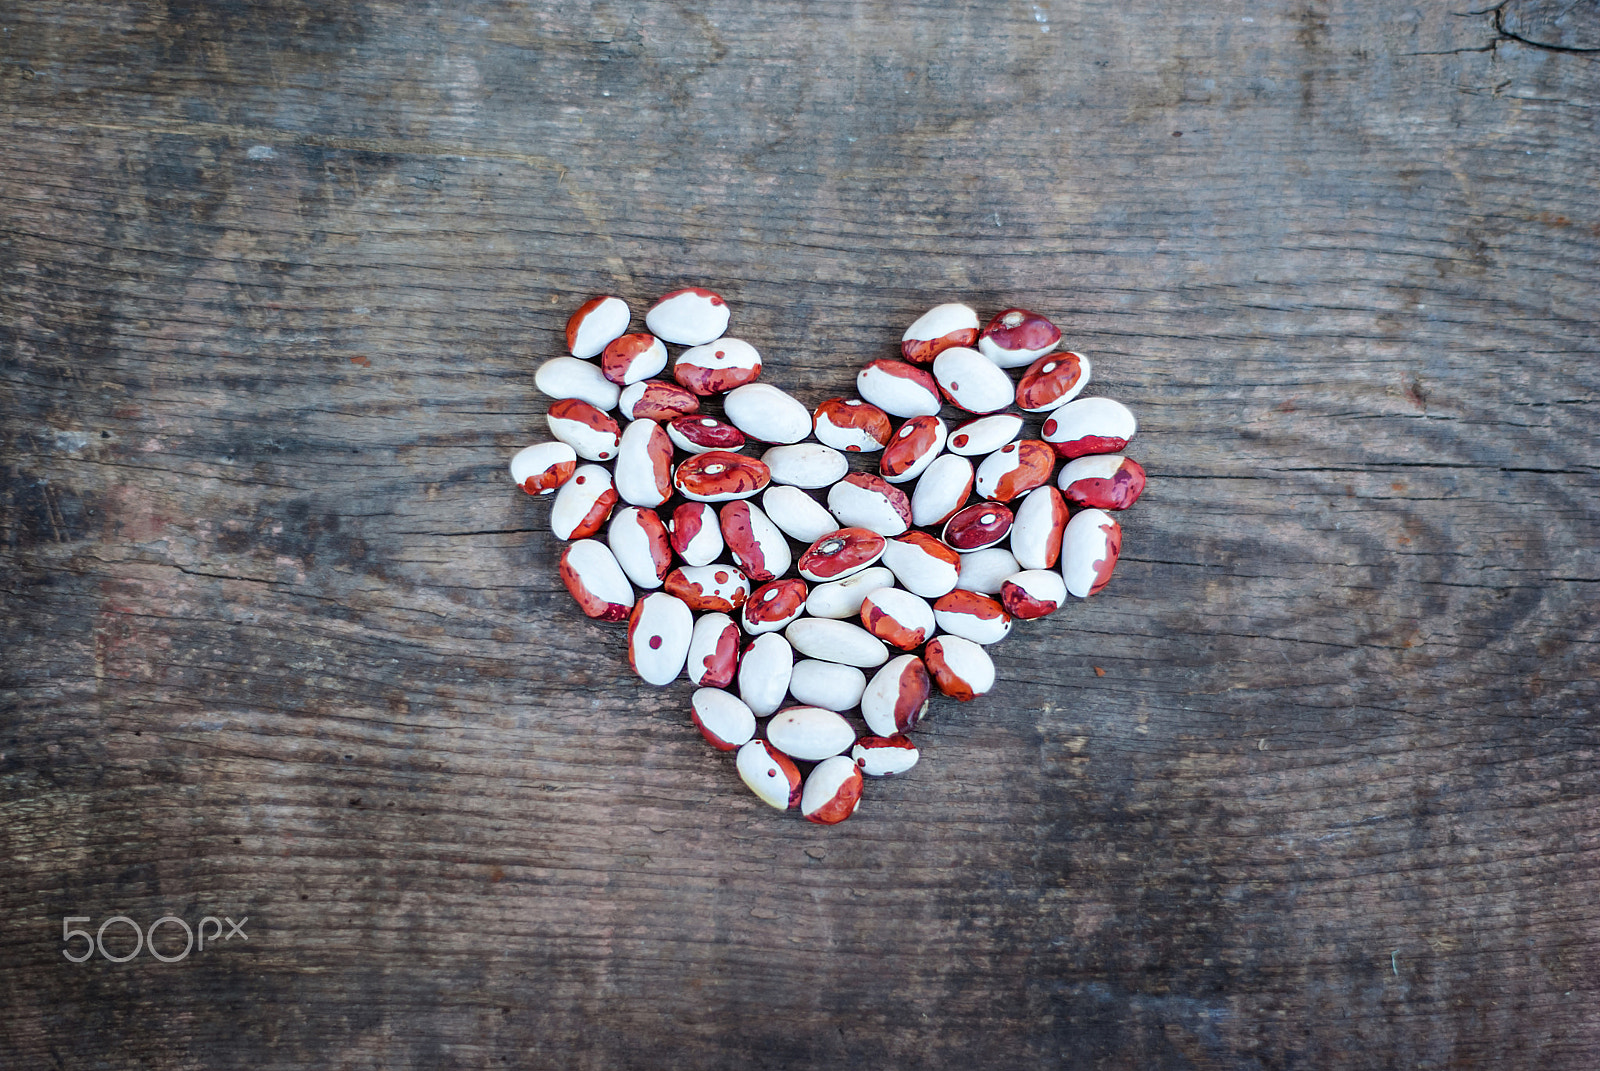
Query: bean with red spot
[[695, 434], [971, 381], [720, 476], [1089, 426], [718, 588], [717, 366], [985, 435], [658, 638], [770, 774], [884, 756]]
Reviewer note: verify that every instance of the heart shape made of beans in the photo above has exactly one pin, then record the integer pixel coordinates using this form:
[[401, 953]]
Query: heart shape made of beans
[[792, 591]]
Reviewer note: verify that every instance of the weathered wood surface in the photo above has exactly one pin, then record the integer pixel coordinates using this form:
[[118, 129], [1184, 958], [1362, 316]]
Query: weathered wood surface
[[282, 641]]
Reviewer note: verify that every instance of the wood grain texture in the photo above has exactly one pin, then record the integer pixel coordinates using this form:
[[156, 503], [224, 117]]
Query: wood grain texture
[[283, 642]]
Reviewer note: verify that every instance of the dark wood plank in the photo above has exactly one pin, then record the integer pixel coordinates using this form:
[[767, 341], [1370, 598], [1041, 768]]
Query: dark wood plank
[[284, 643]]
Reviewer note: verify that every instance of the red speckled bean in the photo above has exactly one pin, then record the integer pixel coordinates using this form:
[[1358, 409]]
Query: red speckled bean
[[982, 524], [720, 476], [1016, 336], [1052, 381], [1103, 481], [938, 329], [841, 554], [852, 425]]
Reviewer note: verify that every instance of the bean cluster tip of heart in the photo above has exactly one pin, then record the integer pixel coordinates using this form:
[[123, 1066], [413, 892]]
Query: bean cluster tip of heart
[[780, 575]]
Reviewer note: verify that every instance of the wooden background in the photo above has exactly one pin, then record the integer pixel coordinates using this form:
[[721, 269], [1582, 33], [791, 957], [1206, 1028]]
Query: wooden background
[[282, 641]]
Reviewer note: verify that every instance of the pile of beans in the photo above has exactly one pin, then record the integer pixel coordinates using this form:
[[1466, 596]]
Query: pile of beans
[[907, 573]]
